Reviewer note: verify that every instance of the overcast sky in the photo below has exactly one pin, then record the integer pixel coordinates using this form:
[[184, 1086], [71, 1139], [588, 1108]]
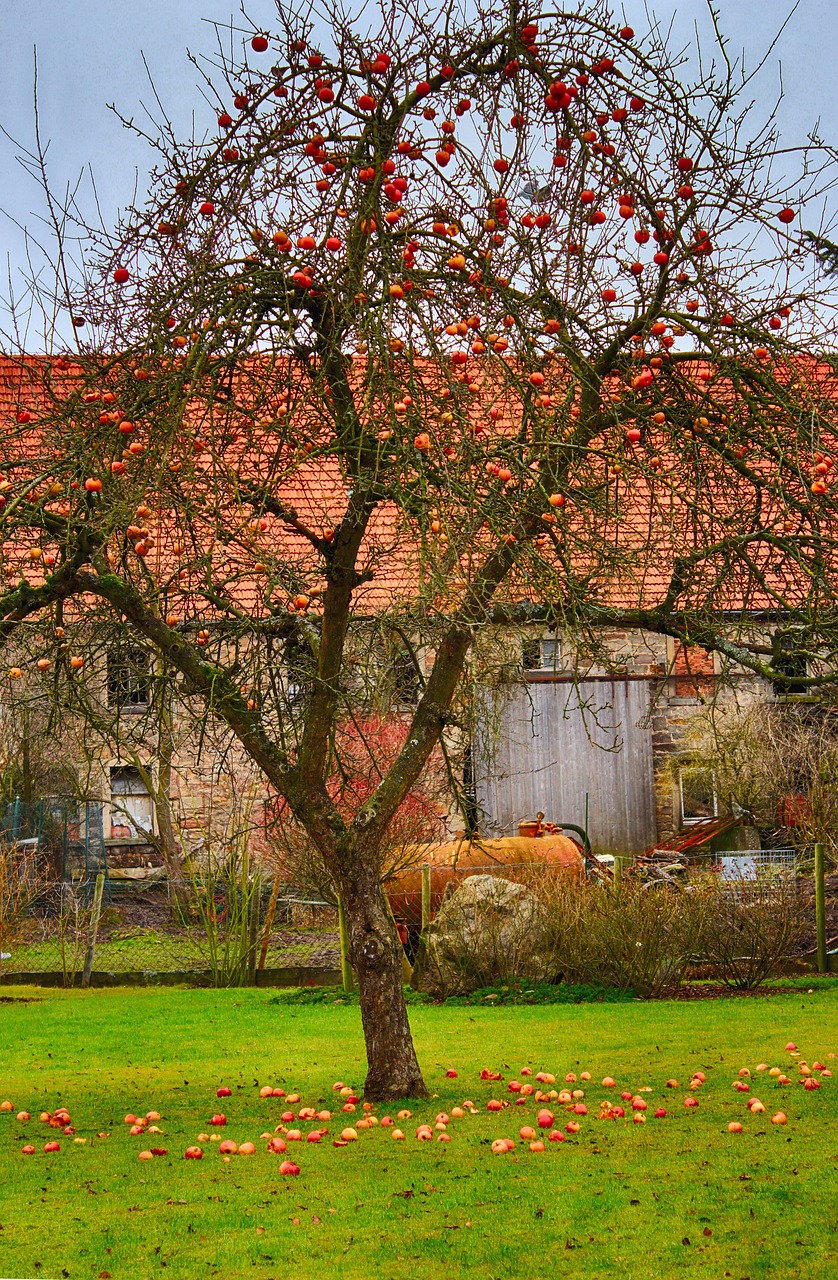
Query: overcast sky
[[90, 53]]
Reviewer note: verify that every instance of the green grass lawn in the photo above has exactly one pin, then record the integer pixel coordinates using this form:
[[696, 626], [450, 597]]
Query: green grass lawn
[[679, 1197]]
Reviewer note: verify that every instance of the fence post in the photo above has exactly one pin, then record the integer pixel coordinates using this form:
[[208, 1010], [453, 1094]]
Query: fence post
[[345, 966], [253, 930], [269, 923], [820, 907], [426, 898], [618, 872], [94, 929]]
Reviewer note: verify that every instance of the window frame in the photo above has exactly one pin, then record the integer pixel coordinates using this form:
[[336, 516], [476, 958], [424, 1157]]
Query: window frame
[[119, 814], [684, 768], [135, 681]]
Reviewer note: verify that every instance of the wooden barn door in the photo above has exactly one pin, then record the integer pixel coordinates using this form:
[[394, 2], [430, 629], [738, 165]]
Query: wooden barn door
[[553, 743]]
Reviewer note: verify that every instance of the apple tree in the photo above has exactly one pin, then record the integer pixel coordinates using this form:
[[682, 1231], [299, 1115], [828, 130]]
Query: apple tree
[[449, 322]]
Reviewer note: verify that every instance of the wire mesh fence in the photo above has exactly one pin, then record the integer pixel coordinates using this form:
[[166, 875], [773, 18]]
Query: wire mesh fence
[[141, 934], [742, 865]]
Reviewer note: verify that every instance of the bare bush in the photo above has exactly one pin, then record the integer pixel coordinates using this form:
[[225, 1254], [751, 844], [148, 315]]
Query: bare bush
[[20, 885], [227, 902], [636, 939], [750, 926]]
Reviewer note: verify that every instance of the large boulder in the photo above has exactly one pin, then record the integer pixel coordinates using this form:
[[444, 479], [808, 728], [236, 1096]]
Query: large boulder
[[488, 930]]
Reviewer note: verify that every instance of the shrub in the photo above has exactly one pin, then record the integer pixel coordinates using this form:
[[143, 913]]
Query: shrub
[[639, 938], [750, 926], [20, 885]]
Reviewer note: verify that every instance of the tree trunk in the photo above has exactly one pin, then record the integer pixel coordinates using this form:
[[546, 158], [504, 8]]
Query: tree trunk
[[376, 953]]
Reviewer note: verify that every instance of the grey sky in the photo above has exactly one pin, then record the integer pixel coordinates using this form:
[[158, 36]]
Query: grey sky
[[90, 53]]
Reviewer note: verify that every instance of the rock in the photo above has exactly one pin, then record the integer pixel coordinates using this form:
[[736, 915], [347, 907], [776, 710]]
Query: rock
[[490, 929]]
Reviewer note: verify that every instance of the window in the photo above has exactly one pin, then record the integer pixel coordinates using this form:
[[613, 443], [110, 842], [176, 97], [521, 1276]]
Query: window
[[132, 807], [789, 658], [542, 655], [698, 794], [405, 678], [129, 679], [300, 665]]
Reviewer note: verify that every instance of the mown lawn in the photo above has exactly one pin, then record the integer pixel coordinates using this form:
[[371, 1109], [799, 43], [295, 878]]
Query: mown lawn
[[150, 949], [678, 1197]]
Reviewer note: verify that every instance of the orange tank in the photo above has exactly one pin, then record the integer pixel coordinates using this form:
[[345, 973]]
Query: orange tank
[[451, 861]]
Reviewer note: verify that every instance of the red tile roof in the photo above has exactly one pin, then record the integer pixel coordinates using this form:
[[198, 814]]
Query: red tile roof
[[624, 535]]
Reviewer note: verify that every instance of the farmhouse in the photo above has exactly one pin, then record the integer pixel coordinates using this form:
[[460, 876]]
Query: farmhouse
[[595, 736]]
